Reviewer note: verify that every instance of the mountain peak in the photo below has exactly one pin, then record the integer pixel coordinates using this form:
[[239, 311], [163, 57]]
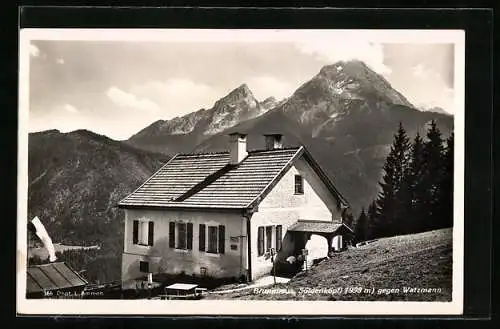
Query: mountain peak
[[237, 96], [244, 87], [337, 67], [270, 99], [355, 78], [436, 109], [45, 132], [241, 91]]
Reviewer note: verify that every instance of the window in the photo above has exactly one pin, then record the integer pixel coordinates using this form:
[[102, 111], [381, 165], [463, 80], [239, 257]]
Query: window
[[265, 238], [144, 267], [278, 237], [216, 239], [299, 184], [180, 235], [143, 232], [260, 241], [269, 237], [212, 239]]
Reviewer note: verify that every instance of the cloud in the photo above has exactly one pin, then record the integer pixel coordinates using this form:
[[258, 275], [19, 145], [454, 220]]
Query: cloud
[[371, 54], [429, 89], [124, 99], [445, 100], [66, 118], [70, 108], [421, 71], [178, 96], [418, 70], [34, 51], [265, 86]]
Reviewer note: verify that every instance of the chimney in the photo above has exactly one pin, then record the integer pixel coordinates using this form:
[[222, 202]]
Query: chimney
[[273, 141], [237, 147]]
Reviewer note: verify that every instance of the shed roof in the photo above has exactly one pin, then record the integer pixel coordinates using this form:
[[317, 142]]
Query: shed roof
[[52, 276], [209, 181], [316, 226]]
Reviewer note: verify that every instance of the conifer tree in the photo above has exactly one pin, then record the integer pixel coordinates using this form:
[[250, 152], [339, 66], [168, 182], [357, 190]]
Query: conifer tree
[[417, 191], [390, 209], [361, 228], [432, 176], [445, 210], [349, 220], [372, 218]]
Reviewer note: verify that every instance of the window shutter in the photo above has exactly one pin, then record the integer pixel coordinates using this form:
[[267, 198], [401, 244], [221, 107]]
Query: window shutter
[[171, 235], [260, 241], [151, 230], [278, 237], [202, 237], [269, 237], [222, 239], [135, 232], [189, 236]]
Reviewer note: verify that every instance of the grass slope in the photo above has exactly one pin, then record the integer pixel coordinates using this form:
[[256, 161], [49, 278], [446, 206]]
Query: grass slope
[[385, 267]]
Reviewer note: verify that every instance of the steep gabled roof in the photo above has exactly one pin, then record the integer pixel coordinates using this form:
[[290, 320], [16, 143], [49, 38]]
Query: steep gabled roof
[[209, 181]]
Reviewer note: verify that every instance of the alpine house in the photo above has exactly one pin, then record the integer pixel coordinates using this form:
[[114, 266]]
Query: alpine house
[[220, 214]]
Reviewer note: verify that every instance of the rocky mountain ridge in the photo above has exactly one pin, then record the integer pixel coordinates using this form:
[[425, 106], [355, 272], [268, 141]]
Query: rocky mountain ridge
[[165, 135]]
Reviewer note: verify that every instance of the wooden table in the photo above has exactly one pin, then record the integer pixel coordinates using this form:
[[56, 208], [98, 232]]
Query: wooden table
[[183, 291]]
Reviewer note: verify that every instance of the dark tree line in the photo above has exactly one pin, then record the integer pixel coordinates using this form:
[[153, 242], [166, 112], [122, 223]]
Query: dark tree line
[[416, 189]]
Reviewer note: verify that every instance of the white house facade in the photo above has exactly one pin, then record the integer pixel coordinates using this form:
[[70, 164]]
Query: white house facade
[[218, 214]]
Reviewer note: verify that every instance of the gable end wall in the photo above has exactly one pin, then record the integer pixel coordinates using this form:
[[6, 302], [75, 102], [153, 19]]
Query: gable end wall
[[283, 207]]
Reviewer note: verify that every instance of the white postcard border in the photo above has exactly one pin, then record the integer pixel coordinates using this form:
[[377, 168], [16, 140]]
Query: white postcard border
[[238, 307]]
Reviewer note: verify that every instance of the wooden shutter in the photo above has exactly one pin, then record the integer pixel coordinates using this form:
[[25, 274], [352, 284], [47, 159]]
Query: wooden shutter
[[189, 236], [222, 239], [171, 235], [135, 232], [202, 237], [278, 237], [151, 233], [260, 241]]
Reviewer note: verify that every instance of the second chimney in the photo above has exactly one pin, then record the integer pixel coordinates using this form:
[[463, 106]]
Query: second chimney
[[273, 141], [237, 147]]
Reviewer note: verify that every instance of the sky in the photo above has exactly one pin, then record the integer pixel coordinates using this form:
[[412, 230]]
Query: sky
[[117, 88]]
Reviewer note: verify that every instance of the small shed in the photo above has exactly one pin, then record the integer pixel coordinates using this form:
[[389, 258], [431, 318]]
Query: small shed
[[336, 234], [54, 280]]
